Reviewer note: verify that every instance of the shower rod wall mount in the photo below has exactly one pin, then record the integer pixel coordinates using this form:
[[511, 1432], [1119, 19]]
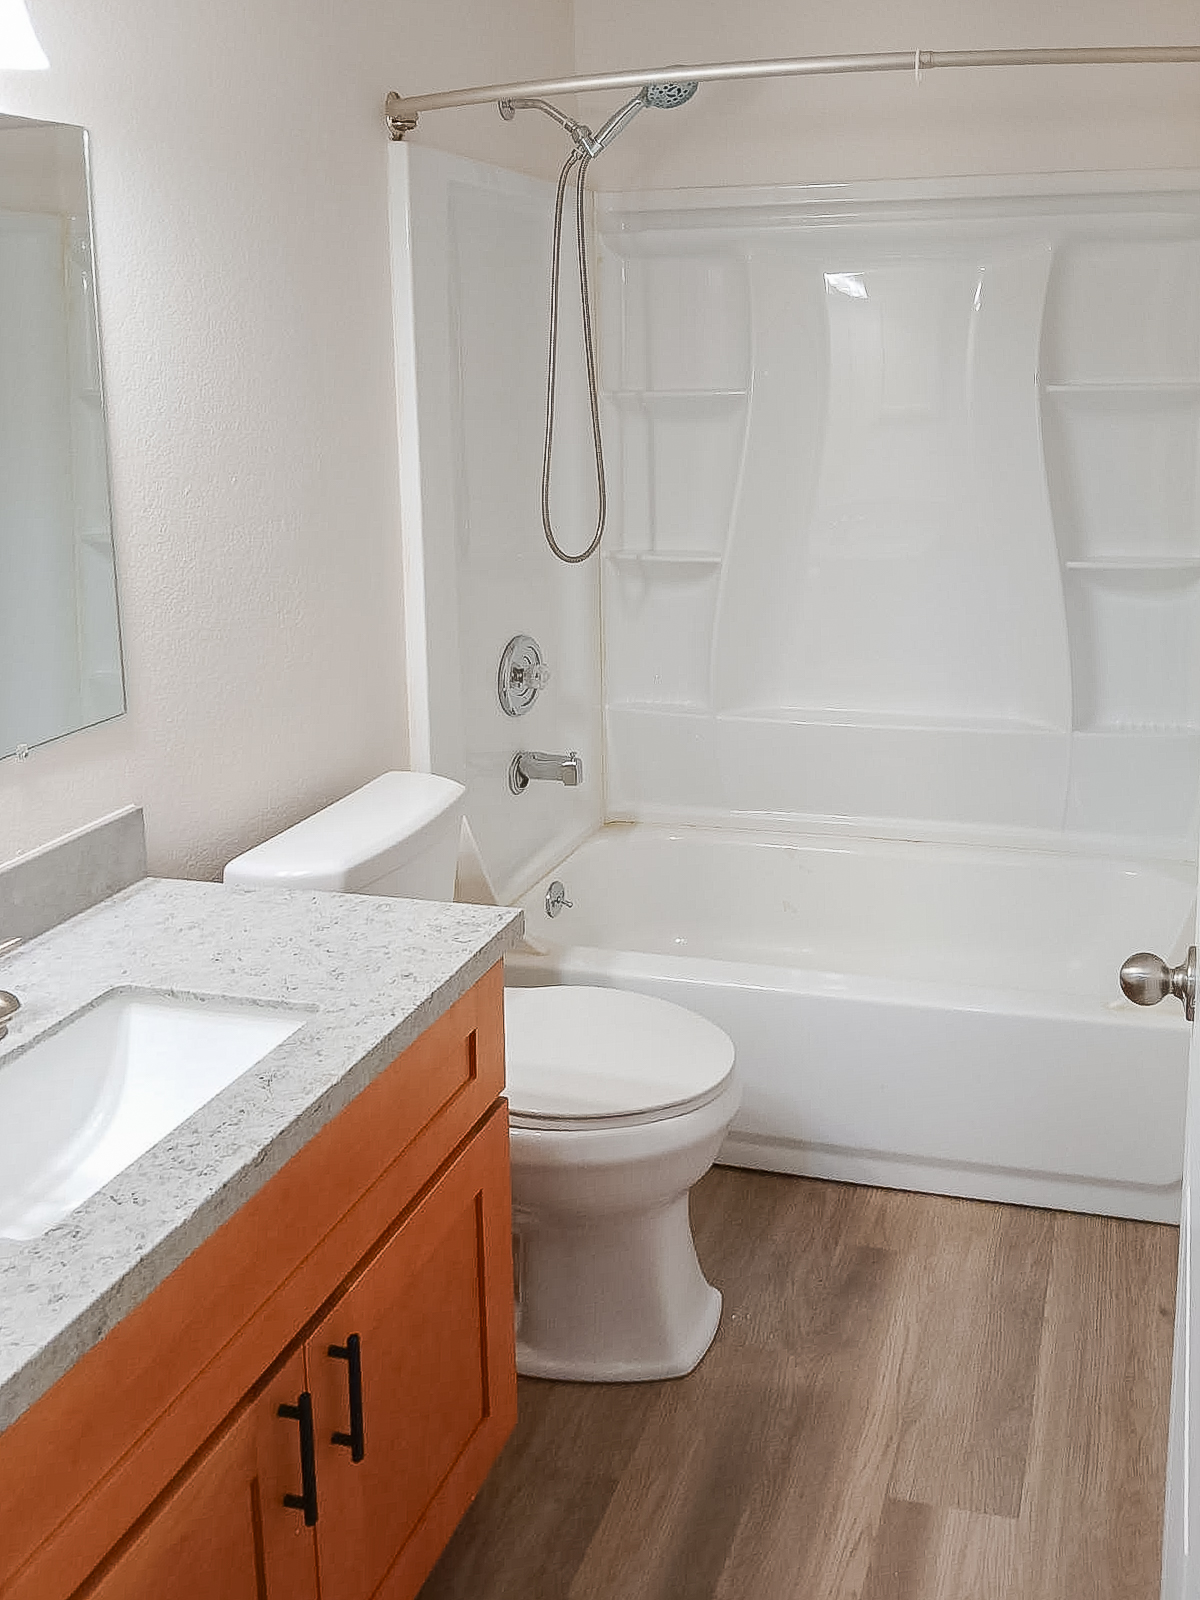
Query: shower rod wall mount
[[402, 111]]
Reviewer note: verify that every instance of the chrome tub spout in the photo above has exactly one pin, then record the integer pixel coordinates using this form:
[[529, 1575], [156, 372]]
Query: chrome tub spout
[[528, 765]]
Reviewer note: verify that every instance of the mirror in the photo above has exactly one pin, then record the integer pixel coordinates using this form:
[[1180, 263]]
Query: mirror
[[60, 654]]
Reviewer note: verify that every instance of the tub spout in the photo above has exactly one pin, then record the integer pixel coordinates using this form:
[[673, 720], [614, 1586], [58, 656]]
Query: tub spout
[[530, 764]]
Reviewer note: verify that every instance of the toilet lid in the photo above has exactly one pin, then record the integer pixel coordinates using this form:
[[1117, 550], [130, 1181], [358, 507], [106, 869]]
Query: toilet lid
[[585, 1054]]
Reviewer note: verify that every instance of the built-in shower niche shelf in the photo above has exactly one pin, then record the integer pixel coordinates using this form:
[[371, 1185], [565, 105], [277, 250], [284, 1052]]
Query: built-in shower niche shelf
[[659, 610], [648, 399], [1134, 629], [1153, 568], [670, 562], [1137, 572], [1134, 731], [1121, 461], [1123, 390], [914, 721], [680, 453]]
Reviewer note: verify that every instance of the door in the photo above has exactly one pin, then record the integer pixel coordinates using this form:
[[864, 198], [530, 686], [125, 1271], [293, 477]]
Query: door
[[1146, 979], [1181, 1522], [413, 1379], [224, 1531]]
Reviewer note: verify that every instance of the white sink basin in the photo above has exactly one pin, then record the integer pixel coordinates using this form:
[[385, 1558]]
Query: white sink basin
[[79, 1105]]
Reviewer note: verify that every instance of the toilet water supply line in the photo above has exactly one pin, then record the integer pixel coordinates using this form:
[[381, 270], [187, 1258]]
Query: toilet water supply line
[[666, 87]]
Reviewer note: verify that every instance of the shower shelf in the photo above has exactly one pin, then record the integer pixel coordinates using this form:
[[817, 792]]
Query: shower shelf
[[820, 716], [1181, 388], [664, 558], [646, 397], [1183, 565], [1183, 731]]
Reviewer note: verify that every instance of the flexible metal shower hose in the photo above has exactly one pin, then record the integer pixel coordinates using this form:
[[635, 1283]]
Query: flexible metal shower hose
[[576, 162]]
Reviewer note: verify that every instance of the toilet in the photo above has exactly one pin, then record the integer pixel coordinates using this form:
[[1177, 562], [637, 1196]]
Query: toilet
[[618, 1104]]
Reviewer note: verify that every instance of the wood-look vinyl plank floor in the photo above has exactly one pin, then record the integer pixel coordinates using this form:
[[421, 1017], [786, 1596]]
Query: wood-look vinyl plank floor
[[968, 1404], [909, 1398]]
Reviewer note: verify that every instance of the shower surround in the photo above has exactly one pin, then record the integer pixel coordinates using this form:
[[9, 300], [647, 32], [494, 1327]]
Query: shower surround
[[903, 546], [906, 526]]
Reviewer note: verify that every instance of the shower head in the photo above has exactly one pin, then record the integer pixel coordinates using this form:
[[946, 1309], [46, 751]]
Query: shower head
[[667, 95], [662, 95]]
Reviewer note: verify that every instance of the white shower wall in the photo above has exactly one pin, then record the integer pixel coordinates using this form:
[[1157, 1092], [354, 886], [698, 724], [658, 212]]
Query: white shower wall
[[906, 483], [903, 485], [471, 247]]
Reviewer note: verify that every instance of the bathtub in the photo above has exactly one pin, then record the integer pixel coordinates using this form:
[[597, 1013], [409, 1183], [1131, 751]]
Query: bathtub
[[920, 1016]]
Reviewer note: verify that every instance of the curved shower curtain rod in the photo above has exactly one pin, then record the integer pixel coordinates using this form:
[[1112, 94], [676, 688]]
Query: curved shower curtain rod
[[402, 111]]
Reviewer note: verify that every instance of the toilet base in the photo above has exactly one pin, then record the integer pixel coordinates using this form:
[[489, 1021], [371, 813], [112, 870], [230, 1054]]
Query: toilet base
[[614, 1298]]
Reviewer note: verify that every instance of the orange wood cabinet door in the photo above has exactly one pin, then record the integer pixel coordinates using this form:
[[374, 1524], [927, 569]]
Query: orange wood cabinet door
[[431, 1316], [223, 1532]]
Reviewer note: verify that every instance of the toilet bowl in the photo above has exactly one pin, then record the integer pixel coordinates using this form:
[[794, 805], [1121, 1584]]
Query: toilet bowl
[[618, 1104]]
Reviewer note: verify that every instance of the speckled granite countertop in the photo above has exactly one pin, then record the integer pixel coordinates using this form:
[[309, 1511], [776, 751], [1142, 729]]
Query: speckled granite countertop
[[376, 973]]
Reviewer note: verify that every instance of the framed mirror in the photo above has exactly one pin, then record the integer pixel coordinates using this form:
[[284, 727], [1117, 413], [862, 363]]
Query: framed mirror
[[60, 652]]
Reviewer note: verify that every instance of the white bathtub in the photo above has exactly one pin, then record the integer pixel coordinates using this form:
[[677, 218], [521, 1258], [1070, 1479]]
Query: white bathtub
[[933, 1017]]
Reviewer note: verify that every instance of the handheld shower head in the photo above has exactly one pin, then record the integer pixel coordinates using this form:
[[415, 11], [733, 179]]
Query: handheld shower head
[[664, 96], [668, 95], [587, 144]]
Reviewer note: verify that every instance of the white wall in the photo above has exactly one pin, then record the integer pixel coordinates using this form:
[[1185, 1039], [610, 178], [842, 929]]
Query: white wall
[[241, 220], [882, 126]]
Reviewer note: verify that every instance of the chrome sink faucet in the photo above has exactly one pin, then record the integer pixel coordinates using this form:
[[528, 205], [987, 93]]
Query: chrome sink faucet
[[9, 1004], [528, 765]]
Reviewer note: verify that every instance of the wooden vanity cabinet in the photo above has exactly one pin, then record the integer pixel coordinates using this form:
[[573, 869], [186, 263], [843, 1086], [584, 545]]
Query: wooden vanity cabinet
[[420, 1311], [223, 1528], [394, 1228]]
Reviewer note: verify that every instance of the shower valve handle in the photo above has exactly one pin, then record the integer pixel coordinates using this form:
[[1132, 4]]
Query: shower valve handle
[[1146, 979]]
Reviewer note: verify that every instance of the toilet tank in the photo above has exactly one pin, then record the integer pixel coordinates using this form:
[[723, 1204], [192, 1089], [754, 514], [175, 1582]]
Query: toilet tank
[[398, 835]]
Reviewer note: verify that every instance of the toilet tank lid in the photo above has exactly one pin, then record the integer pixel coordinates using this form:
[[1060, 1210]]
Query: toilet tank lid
[[356, 840]]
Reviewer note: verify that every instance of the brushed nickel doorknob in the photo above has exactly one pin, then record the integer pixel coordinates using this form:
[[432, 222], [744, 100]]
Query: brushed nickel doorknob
[[1146, 979]]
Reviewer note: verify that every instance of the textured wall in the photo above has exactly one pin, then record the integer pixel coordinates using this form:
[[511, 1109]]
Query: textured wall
[[241, 219]]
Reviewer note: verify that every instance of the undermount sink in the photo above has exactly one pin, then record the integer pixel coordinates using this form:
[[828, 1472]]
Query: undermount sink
[[82, 1103]]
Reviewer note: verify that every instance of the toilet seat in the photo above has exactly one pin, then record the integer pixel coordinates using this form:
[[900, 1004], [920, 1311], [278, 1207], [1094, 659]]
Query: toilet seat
[[587, 1058]]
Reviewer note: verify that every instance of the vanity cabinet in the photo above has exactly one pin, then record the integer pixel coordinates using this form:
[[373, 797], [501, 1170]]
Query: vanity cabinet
[[367, 1285], [421, 1324], [223, 1528]]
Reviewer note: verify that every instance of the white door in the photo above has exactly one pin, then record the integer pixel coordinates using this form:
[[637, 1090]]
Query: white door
[[1181, 1523]]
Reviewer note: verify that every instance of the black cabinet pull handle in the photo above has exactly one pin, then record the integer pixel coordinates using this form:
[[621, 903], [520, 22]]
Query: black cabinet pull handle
[[351, 1354], [306, 1501]]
